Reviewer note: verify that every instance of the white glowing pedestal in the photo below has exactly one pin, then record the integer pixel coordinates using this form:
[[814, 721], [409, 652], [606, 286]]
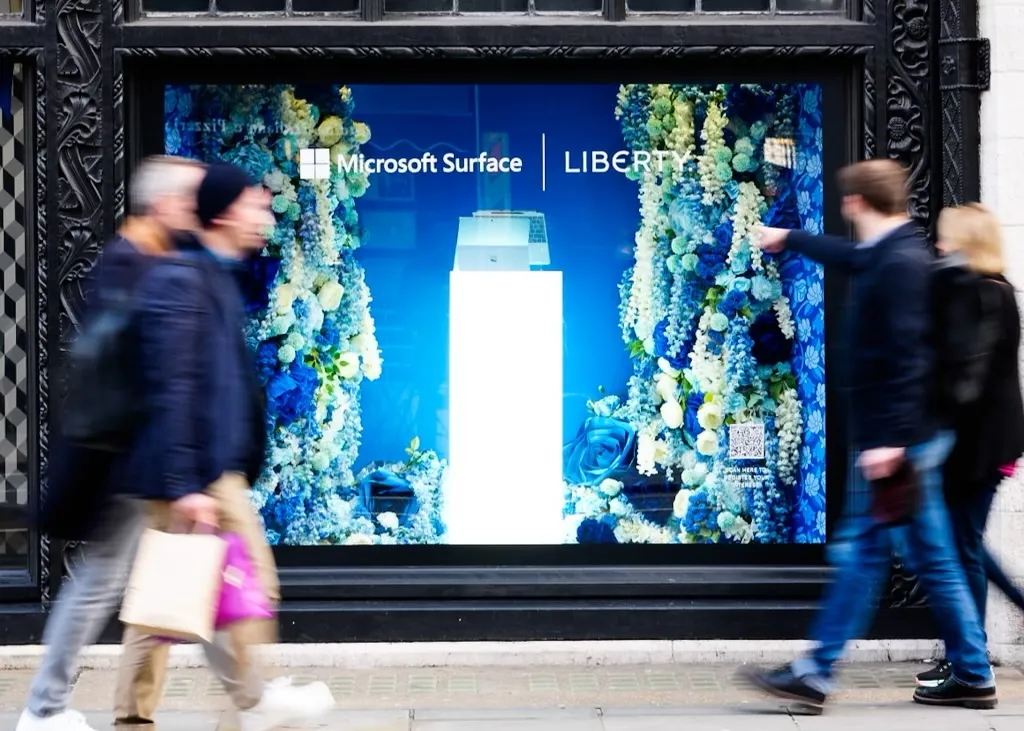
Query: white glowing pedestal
[[504, 485]]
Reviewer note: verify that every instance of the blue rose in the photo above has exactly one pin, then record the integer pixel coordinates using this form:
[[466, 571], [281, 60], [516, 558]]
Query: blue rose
[[723, 234], [266, 360], [770, 345], [382, 491], [692, 427], [597, 531], [732, 303], [290, 392], [603, 448], [661, 347]]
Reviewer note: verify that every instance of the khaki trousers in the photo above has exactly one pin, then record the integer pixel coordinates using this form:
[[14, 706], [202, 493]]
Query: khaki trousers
[[140, 678]]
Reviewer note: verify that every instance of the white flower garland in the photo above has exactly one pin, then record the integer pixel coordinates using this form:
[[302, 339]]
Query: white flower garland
[[789, 422], [749, 203], [641, 298], [782, 309], [707, 370], [713, 134]]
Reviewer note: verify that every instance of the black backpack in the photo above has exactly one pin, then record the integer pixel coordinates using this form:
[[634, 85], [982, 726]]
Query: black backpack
[[100, 415], [102, 406]]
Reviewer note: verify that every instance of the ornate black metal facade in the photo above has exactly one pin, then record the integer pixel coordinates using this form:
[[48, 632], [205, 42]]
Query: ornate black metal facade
[[914, 74]]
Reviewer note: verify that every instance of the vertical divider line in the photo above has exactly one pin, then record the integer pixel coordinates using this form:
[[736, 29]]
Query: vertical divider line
[[543, 162]]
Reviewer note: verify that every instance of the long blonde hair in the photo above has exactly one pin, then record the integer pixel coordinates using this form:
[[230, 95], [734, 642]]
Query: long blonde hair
[[974, 231]]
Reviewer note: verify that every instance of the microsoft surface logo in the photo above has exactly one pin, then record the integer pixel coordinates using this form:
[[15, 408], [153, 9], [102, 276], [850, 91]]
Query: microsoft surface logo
[[314, 163]]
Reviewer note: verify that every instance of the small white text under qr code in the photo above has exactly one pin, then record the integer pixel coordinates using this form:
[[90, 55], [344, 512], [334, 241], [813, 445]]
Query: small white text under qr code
[[746, 441]]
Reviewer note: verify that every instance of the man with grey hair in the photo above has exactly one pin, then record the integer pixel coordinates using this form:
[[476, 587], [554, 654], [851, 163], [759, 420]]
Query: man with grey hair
[[163, 195]]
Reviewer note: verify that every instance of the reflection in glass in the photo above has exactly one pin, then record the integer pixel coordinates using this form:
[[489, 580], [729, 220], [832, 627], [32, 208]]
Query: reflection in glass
[[810, 5], [175, 6], [665, 6], [14, 502], [250, 6], [665, 385], [418, 6], [722, 6], [324, 6], [567, 5]]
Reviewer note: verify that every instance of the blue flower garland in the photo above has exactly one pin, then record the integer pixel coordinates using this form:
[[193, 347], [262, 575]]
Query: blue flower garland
[[716, 330], [311, 326]]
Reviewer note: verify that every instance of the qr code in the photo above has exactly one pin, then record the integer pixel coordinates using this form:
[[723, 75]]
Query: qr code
[[746, 441]]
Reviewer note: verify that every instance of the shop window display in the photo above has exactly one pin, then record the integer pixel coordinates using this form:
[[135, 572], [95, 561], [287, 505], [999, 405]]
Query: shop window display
[[481, 322]]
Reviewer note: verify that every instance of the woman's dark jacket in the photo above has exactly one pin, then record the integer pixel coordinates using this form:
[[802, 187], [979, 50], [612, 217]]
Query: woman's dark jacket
[[981, 313]]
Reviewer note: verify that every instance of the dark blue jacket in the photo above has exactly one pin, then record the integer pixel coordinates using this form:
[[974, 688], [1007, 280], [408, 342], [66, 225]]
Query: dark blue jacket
[[204, 404], [891, 359]]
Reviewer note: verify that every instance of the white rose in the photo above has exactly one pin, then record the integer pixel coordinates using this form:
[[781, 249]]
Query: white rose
[[364, 343], [667, 368], [389, 520], [372, 369], [618, 507], [707, 443], [672, 414], [666, 386], [610, 487], [358, 539], [709, 416], [682, 503], [285, 296], [330, 295], [348, 365]]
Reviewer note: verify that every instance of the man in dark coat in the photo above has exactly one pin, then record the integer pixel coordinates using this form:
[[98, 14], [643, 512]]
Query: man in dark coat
[[897, 443]]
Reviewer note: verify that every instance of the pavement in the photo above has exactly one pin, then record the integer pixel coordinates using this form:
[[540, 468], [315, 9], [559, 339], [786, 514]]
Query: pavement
[[646, 697]]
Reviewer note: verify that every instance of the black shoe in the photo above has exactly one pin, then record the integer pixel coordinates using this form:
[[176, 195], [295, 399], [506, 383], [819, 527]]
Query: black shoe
[[781, 683], [936, 676], [954, 693]]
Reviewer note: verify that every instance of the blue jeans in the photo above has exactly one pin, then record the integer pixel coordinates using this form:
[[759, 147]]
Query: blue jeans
[[861, 552]]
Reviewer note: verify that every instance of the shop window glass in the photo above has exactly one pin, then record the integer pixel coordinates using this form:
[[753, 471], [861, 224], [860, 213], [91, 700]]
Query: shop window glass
[[419, 6], [324, 6], [250, 6], [176, 6], [15, 517], [493, 6], [721, 6], [567, 5], [471, 330], [810, 5], [665, 6], [11, 7]]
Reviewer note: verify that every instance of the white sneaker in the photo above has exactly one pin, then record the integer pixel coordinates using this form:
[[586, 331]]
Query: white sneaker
[[65, 721], [283, 703]]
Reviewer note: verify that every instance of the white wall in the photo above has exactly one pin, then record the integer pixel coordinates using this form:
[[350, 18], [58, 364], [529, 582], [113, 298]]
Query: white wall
[[1002, 176]]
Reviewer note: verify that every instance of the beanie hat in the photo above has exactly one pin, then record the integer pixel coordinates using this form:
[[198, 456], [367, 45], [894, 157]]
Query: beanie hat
[[222, 185]]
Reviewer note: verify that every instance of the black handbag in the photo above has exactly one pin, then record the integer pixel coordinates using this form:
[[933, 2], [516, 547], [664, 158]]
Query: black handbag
[[896, 498]]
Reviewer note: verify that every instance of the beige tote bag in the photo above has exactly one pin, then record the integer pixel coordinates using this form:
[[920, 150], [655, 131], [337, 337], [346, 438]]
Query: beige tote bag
[[175, 585]]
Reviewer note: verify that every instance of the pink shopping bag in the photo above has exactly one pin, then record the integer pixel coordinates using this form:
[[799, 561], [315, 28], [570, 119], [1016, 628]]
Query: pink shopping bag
[[242, 597]]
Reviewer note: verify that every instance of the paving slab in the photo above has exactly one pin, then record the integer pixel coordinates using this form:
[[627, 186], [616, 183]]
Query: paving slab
[[510, 724]]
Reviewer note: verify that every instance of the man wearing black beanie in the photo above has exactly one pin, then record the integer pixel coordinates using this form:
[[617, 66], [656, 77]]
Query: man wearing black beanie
[[235, 214]]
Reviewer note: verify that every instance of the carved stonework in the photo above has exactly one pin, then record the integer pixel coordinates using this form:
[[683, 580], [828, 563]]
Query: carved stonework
[[42, 235], [80, 149], [496, 52], [908, 100]]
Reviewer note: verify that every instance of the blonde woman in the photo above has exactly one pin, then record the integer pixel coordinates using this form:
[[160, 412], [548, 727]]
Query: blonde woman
[[979, 324]]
